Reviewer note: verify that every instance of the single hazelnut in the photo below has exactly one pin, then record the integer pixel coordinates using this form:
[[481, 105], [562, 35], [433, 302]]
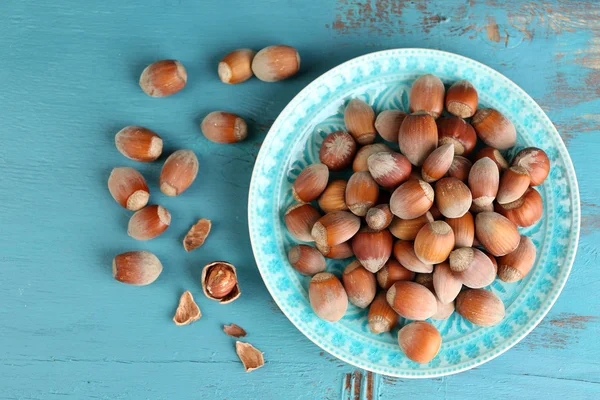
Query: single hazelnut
[[236, 67], [337, 150], [462, 99], [128, 187], [163, 78], [359, 118], [310, 183], [138, 143], [418, 137], [178, 172], [149, 222], [275, 63], [136, 268], [372, 248], [224, 127], [427, 94], [219, 282]]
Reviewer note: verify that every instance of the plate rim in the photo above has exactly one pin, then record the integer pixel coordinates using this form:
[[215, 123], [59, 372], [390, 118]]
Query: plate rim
[[575, 217]]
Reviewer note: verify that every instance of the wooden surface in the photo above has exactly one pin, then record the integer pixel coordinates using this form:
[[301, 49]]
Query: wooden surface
[[68, 75]]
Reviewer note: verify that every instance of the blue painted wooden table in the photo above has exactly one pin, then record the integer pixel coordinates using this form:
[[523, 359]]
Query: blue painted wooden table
[[68, 75]]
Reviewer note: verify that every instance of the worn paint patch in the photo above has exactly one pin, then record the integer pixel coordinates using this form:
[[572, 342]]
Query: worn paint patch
[[590, 219], [558, 332], [357, 386], [580, 124]]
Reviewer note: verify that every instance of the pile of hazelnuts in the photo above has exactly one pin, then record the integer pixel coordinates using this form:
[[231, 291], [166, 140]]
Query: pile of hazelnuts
[[430, 226]]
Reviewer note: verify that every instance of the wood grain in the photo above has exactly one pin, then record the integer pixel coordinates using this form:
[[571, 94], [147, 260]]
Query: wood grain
[[69, 74]]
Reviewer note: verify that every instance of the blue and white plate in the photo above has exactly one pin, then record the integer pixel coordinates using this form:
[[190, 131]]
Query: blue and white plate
[[383, 80]]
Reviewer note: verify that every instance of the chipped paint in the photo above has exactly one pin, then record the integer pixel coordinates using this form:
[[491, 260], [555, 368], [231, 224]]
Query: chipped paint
[[590, 219], [492, 31], [579, 124], [369, 390], [559, 332]]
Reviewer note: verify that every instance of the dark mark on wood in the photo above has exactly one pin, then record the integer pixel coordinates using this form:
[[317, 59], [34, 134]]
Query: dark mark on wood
[[357, 384], [369, 388], [347, 382], [558, 332]]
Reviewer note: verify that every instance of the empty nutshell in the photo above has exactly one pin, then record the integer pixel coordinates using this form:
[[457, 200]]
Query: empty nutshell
[[251, 357], [219, 282], [197, 234], [187, 310], [234, 330]]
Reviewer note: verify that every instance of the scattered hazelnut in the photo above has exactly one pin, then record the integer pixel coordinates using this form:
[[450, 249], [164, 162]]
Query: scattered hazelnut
[[136, 268], [149, 222], [224, 127], [236, 67], [163, 78], [128, 187], [138, 143], [178, 172], [219, 282], [275, 63]]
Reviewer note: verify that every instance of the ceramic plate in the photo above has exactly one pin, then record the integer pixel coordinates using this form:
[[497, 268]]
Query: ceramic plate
[[383, 80]]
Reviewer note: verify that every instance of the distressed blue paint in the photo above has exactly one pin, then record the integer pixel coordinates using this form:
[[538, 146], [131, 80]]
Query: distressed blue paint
[[69, 82]]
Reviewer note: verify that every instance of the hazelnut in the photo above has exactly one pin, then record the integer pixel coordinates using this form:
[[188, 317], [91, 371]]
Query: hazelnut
[[496, 233], [462, 99], [455, 131], [516, 265], [128, 187], [494, 129], [163, 78], [513, 184], [480, 307], [275, 63], [460, 168], [136, 268], [464, 230], [310, 183], [224, 127], [382, 317], [472, 267], [373, 249], [337, 150], [138, 143], [359, 118], [379, 217], [494, 155], [388, 124], [361, 193], [300, 219], [411, 300], [535, 161], [418, 137], [219, 282], [434, 242], [437, 164], [236, 67], [178, 172], [483, 182], [407, 229], [339, 251], [447, 286], [393, 272], [306, 259], [427, 94], [333, 197], [525, 211], [360, 284], [327, 296], [452, 197], [420, 341], [335, 228], [404, 252], [444, 311], [360, 162], [149, 222], [389, 169], [412, 199]]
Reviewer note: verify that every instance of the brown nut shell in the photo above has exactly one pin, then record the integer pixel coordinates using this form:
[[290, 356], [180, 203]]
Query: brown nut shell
[[219, 282], [494, 129], [361, 159], [224, 127], [359, 118], [411, 300], [452, 197], [526, 211], [535, 161], [362, 193], [460, 168], [337, 150], [139, 143], [338, 252], [275, 63], [300, 219], [379, 217], [393, 272], [389, 169], [128, 187], [496, 233], [404, 252], [475, 268], [494, 155], [427, 94], [418, 137], [187, 310], [149, 222], [420, 341], [434, 242], [163, 78], [444, 311], [513, 184], [236, 67], [333, 197], [437, 164], [327, 296], [464, 230], [447, 286], [372, 248], [412, 199], [484, 179], [381, 317], [335, 228], [407, 229], [178, 172], [516, 265], [455, 131], [462, 99], [306, 259], [197, 235], [388, 124], [250, 356], [310, 183], [480, 307], [360, 284], [136, 267]]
